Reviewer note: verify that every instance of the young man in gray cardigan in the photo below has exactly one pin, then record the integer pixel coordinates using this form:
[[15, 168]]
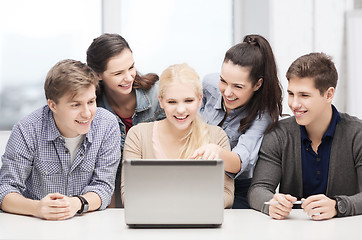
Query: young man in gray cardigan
[[316, 155]]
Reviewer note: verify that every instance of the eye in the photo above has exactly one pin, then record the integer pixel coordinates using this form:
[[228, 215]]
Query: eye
[[238, 86], [171, 102], [91, 101], [290, 94], [189, 100], [222, 80], [75, 105]]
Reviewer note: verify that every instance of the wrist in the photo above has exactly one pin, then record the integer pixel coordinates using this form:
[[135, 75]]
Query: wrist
[[340, 207], [76, 203], [35, 208], [82, 205]]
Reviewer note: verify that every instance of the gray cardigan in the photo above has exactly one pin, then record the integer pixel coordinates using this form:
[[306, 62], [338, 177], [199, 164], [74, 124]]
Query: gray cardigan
[[280, 162]]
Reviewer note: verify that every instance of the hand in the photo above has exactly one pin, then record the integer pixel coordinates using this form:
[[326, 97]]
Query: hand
[[282, 208], [210, 152], [56, 206], [319, 207]]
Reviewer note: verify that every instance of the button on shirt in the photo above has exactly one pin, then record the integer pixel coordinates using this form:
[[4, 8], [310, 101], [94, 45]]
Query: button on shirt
[[246, 145], [36, 161], [316, 165]]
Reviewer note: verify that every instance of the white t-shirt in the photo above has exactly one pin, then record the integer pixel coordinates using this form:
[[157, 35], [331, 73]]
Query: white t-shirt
[[73, 145]]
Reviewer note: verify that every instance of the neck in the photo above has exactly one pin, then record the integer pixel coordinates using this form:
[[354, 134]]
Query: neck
[[168, 129], [121, 102], [317, 129]]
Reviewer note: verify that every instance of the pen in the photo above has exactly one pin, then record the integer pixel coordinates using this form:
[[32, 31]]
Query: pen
[[276, 202]]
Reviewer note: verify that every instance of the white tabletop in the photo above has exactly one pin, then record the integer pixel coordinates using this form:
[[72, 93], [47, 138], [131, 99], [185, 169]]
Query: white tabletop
[[238, 224]]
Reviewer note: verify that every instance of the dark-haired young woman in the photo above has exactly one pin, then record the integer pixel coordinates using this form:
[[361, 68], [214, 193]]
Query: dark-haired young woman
[[245, 100], [132, 97]]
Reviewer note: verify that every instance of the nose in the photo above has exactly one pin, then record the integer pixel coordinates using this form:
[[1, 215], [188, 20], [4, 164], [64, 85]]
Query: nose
[[294, 102], [129, 76], [228, 91], [86, 112], [180, 108]]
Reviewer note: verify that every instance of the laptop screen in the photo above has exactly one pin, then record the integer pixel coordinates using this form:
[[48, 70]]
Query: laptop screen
[[173, 192]]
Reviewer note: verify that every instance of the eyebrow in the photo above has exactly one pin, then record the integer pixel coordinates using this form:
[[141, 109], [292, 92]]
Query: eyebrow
[[77, 101], [289, 91], [120, 71], [235, 84]]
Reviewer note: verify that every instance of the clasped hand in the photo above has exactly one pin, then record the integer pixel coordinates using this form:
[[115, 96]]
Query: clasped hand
[[56, 206], [319, 207]]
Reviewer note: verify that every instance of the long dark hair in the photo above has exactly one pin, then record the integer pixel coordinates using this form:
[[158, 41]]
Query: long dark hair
[[109, 45], [255, 53]]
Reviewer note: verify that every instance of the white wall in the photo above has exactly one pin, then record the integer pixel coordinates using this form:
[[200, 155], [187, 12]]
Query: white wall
[[298, 27], [354, 63]]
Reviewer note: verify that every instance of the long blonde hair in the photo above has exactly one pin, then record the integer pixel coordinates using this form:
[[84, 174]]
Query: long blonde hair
[[198, 134]]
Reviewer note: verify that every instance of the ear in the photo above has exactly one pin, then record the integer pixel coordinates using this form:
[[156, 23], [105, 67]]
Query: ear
[[99, 76], [160, 101], [200, 100], [329, 94], [258, 84], [52, 105]]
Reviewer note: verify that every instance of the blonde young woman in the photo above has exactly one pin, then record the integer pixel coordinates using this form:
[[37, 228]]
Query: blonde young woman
[[183, 131]]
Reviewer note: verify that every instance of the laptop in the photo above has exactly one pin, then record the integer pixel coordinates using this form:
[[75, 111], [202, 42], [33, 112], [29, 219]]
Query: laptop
[[173, 192]]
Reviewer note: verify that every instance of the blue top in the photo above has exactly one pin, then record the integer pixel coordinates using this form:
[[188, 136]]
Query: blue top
[[316, 165], [245, 145], [36, 161], [147, 109]]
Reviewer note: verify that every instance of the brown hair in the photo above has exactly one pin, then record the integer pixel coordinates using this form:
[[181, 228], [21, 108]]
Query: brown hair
[[256, 54], [68, 76], [317, 66]]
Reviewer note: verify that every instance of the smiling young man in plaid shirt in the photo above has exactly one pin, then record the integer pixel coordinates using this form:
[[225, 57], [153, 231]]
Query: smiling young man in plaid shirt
[[62, 158]]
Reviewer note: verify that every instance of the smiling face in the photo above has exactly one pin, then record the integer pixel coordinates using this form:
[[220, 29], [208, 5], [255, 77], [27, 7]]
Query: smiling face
[[235, 85], [306, 102], [73, 116], [181, 103], [120, 73]]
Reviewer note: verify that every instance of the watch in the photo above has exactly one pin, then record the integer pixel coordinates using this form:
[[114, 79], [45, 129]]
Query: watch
[[85, 206], [340, 206]]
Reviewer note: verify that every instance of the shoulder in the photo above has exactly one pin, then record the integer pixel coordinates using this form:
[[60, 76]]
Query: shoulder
[[103, 115], [210, 82], [349, 125], [285, 127], [350, 121], [36, 115], [215, 131], [152, 93], [142, 128], [35, 120]]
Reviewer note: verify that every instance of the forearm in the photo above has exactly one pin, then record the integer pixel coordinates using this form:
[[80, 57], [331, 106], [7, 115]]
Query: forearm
[[18, 204], [93, 199], [232, 162]]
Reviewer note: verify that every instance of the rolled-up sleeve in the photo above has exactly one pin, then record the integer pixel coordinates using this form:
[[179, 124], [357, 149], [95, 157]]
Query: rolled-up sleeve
[[249, 144]]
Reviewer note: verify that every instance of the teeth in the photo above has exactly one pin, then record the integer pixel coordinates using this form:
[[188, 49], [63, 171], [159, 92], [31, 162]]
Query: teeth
[[298, 113], [125, 85], [83, 121], [230, 99], [181, 118]]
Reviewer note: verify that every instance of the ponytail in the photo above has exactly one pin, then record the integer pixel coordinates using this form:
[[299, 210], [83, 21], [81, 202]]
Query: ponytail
[[255, 52]]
